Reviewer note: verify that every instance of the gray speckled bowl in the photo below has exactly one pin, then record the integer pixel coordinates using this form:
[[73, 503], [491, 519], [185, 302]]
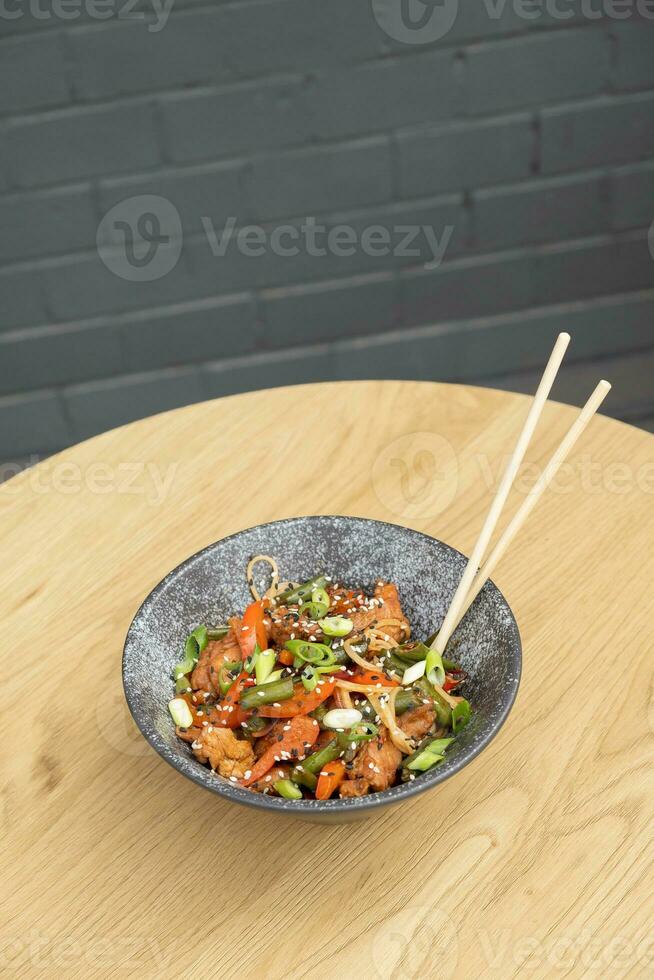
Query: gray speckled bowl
[[211, 586]]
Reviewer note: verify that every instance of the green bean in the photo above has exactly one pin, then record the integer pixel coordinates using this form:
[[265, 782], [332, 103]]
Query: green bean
[[299, 593], [255, 724], [427, 755], [461, 715], [287, 789], [441, 707], [327, 753], [405, 700], [303, 778], [254, 697]]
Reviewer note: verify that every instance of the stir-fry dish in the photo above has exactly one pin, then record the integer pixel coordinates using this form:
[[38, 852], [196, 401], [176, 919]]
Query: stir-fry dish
[[317, 691]]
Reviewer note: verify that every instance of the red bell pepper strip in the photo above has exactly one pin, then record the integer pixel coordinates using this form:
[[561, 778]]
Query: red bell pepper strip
[[331, 776], [229, 714], [251, 630], [302, 701], [301, 734]]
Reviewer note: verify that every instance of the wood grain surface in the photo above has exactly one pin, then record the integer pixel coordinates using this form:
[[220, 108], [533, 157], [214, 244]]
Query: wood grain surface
[[536, 860]]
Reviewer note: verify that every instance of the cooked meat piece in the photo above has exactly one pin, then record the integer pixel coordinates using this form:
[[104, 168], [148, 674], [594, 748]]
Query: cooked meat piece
[[214, 655], [286, 620], [344, 602], [188, 734], [377, 761], [389, 608], [225, 753], [417, 721], [353, 787]]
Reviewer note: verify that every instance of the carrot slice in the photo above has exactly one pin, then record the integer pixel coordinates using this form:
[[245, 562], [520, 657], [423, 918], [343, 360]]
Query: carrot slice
[[286, 658], [372, 677], [331, 776], [301, 733], [302, 701]]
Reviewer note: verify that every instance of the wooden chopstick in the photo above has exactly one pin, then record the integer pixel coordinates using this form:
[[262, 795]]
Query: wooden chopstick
[[454, 613], [536, 492]]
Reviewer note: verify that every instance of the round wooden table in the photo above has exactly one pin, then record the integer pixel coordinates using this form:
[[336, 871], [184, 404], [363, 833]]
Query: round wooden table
[[534, 858]]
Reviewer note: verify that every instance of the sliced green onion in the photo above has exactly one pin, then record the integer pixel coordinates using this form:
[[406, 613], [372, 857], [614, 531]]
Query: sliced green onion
[[428, 755], [320, 595], [254, 697], [434, 668], [225, 679], [182, 684], [287, 789], [309, 678], [180, 713], [414, 672], [318, 606], [217, 633], [336, 625], [342, 718], [461, 715], [318, 654], [193, 647], [313, 610], [275, 676], [300, 593], [264, 661], [363, 731]]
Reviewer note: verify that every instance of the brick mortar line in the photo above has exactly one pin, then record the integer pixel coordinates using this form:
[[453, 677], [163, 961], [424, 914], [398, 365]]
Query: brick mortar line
[[451, 199], [415, 130], [75, 106], [392, 335]]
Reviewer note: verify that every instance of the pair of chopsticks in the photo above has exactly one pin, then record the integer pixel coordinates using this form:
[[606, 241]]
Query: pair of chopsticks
[[476, 575]]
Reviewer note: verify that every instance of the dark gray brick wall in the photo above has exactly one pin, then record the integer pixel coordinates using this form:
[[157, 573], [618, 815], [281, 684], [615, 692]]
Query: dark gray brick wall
[[525, 144]]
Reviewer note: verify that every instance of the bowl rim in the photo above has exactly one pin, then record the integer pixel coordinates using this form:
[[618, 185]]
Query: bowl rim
[[395, 794]]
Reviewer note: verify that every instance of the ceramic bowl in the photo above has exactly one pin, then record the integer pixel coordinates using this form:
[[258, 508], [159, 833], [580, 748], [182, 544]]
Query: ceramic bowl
[[211, 585]]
